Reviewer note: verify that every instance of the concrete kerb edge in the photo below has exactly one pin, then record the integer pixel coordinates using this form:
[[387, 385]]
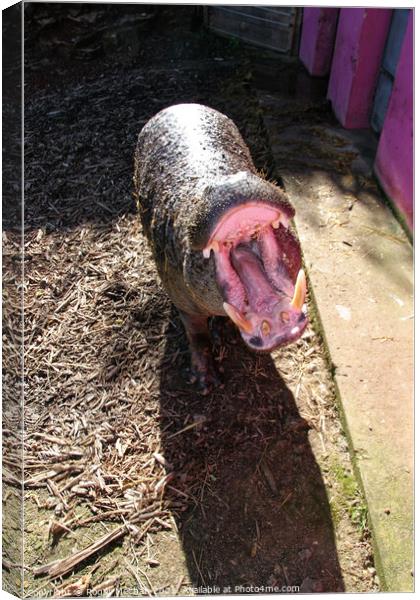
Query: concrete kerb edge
[[318, 326]]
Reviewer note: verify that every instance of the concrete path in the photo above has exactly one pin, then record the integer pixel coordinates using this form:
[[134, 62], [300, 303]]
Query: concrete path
[[359, 263]]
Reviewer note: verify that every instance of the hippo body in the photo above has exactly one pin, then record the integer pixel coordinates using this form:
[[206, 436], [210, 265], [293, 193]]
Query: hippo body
[[218, 231]]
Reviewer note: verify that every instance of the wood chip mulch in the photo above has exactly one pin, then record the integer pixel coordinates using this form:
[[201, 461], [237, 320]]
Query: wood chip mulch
[[113, 432]]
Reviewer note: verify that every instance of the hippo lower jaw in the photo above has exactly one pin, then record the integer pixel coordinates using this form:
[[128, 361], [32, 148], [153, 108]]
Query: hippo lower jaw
[[259, 274]]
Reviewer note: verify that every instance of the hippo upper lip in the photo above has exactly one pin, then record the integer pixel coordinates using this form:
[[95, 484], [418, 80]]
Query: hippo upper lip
[[244, 223], [228, 194]]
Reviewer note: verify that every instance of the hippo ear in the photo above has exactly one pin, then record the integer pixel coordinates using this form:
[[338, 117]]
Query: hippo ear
[[227, 193]]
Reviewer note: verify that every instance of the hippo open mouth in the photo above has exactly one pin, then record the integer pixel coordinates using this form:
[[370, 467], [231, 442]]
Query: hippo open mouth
[[259, 274]]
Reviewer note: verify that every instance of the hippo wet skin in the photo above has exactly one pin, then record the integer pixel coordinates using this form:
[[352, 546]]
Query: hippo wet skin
[[219, 232]]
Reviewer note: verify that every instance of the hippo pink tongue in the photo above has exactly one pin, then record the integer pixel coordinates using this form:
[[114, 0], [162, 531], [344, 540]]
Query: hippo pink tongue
[[260, 293]]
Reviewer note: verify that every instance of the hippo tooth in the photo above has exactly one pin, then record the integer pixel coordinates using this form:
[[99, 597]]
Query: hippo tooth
[[300, 291], [213, 246], [284, 221], [237, 317], [280, 219]]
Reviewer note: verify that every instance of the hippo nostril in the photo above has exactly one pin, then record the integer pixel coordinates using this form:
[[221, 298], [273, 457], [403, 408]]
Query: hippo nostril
[[256, 341]]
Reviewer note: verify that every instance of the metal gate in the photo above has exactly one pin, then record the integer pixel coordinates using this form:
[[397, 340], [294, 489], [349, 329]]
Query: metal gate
[[274, 28], [389, 66]]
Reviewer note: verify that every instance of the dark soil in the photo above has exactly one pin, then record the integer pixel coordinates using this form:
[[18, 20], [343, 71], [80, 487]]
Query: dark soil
[[250, 486]]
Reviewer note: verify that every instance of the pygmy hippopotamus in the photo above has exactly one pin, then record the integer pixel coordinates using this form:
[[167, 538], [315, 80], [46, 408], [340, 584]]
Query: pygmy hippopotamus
[[219, 232]]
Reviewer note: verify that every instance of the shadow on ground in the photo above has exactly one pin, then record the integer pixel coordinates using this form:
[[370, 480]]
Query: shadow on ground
[[258, 513]]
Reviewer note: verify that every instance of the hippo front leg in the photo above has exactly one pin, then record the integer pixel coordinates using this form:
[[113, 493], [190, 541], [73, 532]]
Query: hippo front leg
[[202, 364]]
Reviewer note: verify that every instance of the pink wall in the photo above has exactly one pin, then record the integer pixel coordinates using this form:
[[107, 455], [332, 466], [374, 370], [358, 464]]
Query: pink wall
[[317, 39], [360, 41], [394, 159]]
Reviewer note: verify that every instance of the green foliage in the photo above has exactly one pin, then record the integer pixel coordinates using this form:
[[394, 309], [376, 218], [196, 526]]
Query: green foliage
[[349, 498]]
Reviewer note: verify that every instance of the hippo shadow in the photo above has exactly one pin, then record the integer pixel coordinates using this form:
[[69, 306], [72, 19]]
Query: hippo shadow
[[250, 503]]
